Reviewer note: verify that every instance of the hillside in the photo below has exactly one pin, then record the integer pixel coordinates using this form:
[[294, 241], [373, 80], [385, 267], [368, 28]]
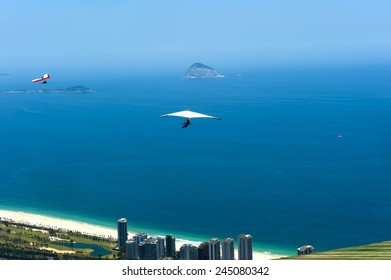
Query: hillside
[[375, 251]]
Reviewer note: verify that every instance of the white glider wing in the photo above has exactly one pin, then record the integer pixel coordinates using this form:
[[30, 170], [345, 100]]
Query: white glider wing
[[189, 115], [43, 78]]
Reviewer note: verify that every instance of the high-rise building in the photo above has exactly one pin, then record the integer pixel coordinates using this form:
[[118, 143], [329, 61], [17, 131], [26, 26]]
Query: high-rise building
[[203, 251], [160, 248], [152, 249], [214, 249], [140, 237], [170, 245], [131, 249], [228, 251], [188, 252], [122, 232], [245, 247]]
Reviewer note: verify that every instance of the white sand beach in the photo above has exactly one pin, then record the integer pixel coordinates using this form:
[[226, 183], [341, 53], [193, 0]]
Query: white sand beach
[[56, 223]]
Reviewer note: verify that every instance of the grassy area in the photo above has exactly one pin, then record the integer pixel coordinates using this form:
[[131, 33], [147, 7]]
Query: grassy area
[[27, 242], [375, 251]]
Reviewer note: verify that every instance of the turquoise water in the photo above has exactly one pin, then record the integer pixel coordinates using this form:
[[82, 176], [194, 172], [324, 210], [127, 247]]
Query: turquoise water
[[272, 167]]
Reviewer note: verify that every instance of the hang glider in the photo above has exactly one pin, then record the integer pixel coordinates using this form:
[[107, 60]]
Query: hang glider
[[43, 79], [188, 115]]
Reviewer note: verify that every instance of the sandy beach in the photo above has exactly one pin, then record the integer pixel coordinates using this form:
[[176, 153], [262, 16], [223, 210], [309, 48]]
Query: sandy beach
[[56, 223]]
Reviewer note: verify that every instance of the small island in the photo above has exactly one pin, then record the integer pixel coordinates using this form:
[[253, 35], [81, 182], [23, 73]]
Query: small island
[[202, 71], [5, 75], [74, 89]]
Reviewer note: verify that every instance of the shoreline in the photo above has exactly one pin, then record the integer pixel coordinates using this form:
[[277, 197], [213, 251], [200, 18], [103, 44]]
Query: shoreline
[[97, 230]]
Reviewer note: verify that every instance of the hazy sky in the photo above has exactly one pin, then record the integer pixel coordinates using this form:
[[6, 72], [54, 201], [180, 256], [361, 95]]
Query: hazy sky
[[172, 34]]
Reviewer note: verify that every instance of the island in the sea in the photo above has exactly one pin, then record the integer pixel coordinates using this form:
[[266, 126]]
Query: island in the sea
[[5, 75], [74, 89], [199, 70]]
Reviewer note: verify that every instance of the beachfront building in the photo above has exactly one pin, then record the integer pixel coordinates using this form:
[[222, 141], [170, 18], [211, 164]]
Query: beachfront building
[[140, 237], [170, 246], [152, 249], [214, 249], [122, 231], [305, 250], [228, 252], [188, 252], [245, 247], [131, 247], [203, 251]]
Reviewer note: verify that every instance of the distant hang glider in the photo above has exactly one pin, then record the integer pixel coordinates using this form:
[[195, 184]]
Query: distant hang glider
[[43, 79], [188, 115]]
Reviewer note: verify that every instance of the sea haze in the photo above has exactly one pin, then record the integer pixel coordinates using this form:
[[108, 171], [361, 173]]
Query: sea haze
[[273, 166]]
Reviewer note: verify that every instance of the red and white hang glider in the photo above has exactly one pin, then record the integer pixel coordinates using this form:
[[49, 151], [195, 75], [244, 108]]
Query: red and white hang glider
[[43, 79], [188, 115]]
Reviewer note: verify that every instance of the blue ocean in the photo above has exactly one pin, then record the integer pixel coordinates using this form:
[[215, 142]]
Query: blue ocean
[[301, 156]]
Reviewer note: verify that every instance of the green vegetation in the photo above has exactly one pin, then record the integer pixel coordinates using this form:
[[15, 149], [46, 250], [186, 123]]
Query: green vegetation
[[25, 242], [375, 251]]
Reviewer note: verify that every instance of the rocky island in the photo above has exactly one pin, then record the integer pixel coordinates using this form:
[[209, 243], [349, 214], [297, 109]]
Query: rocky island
[[74, 89], [199, 70]]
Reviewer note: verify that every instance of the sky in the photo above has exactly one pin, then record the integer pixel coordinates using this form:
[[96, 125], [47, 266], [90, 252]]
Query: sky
[[146, 35]]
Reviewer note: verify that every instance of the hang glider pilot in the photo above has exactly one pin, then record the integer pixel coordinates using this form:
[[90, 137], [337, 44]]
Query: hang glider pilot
[[186, 123]]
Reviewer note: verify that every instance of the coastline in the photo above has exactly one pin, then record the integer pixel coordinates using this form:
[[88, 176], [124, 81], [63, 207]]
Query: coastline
[[97, 230]]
